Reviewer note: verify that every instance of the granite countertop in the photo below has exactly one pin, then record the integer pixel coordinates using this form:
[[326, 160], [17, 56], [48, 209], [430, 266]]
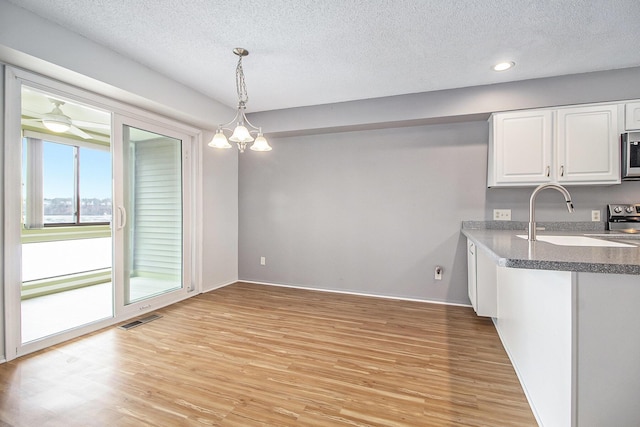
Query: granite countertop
[[499, 239]]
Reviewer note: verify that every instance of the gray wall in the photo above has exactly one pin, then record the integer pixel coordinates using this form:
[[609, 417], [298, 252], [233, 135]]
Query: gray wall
[[371, 212], [375, 211]]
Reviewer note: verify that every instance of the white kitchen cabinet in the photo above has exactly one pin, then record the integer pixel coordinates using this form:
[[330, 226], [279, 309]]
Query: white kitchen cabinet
[[588, 148], [520, 146], [482, 281], [574, 145], [632, 116], [472, 278]]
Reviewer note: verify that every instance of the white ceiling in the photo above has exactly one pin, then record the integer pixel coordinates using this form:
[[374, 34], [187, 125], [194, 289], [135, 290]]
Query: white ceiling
[[308, 52]]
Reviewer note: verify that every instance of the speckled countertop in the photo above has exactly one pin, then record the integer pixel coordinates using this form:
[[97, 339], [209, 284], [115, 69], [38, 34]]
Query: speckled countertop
[[499, 239]]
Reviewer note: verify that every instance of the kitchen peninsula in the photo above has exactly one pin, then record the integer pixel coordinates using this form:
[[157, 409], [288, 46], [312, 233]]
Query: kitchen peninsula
[[567, 316]]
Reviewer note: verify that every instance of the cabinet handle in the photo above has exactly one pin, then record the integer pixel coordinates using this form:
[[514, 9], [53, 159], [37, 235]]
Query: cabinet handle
[[471, 247], [562, 170], [548, 171]]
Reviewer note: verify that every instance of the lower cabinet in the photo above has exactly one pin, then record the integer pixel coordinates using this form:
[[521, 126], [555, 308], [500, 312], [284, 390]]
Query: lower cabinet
[[481, 271]]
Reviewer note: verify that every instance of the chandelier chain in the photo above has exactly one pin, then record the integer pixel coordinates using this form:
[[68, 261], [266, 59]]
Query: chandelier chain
[[241, 86]]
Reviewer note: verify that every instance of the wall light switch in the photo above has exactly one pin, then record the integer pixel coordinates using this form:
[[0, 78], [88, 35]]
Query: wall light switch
[[263, 261], [595, 215], [502, 214]]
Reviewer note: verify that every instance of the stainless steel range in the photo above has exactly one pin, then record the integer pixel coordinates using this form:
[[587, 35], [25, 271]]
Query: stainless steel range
[[624, 217]]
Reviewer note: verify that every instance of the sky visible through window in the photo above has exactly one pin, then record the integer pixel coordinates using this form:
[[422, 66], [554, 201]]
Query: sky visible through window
[[95, 172]]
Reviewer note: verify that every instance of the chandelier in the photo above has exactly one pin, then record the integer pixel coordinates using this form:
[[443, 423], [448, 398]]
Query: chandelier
[[243, 130]]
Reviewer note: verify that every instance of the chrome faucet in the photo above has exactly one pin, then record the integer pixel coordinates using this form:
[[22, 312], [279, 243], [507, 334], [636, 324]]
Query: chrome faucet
[[532, 210]]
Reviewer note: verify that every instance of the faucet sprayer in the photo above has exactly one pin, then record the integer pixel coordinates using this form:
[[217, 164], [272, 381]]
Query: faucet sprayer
[[532, 214]]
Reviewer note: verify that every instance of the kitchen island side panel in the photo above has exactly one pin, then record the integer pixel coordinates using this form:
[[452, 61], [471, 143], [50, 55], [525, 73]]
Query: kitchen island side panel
[[608, 349], [535, 325]]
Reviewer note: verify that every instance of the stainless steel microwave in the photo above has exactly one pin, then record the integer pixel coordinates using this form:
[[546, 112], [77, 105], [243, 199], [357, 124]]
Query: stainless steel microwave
[[630, 156]]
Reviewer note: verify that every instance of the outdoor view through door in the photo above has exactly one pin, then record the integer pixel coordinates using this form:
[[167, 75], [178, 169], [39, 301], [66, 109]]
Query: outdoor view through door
[[153, 208], [66, 216]]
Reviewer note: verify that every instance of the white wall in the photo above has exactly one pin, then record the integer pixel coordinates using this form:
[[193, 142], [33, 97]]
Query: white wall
[[220, 217], [33, 43]]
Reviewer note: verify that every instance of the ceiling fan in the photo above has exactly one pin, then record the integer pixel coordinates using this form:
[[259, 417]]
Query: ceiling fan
[[58, 122]]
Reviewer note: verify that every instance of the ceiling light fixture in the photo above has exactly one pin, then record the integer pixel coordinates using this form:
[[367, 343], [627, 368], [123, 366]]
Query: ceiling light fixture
[[56, 120], [503, 66], [243, 130]]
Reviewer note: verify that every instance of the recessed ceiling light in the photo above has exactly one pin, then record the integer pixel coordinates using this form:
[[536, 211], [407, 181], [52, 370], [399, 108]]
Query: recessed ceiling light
[[503, 66]]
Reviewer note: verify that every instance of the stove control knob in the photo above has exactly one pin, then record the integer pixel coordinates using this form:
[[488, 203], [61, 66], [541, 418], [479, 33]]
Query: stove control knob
[[628, 209], [617, 209]]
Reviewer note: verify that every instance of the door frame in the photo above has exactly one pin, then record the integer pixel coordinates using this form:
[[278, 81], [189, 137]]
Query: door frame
[[13, 81]]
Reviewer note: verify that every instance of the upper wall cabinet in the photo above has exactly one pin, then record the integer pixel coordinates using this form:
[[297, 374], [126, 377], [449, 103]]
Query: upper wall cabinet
[[632, 116], [520, 146], [588, 147], [572, 146]]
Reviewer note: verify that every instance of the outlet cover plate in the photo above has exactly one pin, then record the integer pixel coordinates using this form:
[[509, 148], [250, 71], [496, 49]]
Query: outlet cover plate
[[502, 214]]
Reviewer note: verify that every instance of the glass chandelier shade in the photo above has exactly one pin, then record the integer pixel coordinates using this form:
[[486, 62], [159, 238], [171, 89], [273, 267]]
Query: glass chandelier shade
[[219, 140], [241, 134], [261, 144], [243, 129]]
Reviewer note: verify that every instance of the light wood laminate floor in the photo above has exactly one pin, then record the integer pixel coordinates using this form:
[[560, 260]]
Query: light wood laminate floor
[[251, 355]]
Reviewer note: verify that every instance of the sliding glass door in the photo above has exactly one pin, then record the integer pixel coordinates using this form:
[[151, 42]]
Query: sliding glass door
[[98, 213], [151, 242]]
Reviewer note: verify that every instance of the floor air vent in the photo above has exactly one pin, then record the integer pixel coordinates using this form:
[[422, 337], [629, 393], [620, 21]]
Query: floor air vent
[[139, 322]]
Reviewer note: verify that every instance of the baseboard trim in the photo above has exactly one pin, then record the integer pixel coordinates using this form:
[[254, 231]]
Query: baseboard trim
[[219, 286], [362, 294]]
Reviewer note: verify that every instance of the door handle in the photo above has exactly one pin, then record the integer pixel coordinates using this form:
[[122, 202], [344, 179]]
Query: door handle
[[548, 171], [122, 220], [562, 170]]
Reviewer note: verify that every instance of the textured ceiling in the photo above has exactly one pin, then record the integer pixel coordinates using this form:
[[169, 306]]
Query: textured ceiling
[[308, 52]]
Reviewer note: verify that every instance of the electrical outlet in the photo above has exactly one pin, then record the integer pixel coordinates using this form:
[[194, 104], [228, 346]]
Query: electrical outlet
[[595, 215], [502, 214], [263, 260], [438, 273]]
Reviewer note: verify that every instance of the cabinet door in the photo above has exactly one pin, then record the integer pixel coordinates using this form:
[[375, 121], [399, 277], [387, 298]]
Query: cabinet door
[[588, 150], [632, 116], [482, 281], [486, 285], [520, 148], [471, 273]]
